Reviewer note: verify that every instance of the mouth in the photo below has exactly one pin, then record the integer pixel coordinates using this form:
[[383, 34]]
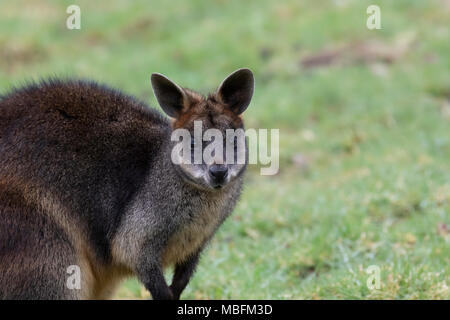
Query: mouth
[[217, 185]]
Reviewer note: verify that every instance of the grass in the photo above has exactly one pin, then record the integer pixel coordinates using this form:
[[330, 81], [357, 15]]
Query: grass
[[364, 142]]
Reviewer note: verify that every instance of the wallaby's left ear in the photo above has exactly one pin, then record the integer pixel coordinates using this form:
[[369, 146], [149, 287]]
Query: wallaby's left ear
[[237, 90], [170, 96]]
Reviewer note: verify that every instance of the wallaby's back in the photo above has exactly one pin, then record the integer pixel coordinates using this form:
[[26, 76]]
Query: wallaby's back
[[72, 154]]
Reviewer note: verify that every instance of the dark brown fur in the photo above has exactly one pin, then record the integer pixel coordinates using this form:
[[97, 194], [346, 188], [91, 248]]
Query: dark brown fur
[[86, 179]]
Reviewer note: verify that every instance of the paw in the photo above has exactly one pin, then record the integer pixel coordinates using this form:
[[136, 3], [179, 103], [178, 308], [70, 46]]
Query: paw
[[165, 294], [175, 292]]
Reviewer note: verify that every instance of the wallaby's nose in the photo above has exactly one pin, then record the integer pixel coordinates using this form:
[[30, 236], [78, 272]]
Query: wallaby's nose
[[218, 171]]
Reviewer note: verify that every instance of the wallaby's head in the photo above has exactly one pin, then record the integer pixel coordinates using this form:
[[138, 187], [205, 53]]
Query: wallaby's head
[[215, 155]]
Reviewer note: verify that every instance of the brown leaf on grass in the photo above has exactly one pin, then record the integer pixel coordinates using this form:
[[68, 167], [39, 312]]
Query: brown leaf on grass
[[95, 38], [361, 52], [137, 27], [374, 51], [17, 54], [323, 58], [442, 229]]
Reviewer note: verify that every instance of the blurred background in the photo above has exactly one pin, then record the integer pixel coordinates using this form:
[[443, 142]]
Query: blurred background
[[364, 119]]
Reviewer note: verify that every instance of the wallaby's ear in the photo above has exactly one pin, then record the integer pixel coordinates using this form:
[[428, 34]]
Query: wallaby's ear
[[170, 96], [237, 90]]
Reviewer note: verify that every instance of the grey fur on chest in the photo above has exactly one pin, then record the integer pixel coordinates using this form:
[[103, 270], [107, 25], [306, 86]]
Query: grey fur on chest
[[196, 216], [197, 221], [173, 217]]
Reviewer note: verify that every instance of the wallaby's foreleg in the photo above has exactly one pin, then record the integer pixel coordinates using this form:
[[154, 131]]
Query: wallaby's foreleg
[[150, 272], [182, 275], [155, 283]]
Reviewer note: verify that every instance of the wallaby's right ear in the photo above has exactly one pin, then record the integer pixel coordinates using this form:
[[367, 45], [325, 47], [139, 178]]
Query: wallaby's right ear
[[237, 90], [170, 96]]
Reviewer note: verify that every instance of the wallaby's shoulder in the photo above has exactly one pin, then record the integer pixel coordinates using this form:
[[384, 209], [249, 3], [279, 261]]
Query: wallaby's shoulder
[[76, 99]]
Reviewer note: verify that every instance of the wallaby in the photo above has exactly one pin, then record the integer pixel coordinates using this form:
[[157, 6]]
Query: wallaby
[[87, 180]]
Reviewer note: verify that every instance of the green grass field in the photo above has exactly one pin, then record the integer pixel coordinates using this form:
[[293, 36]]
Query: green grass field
[[364, 119]]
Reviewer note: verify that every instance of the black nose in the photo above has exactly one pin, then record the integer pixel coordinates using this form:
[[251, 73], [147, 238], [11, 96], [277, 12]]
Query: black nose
[[218, 171]]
